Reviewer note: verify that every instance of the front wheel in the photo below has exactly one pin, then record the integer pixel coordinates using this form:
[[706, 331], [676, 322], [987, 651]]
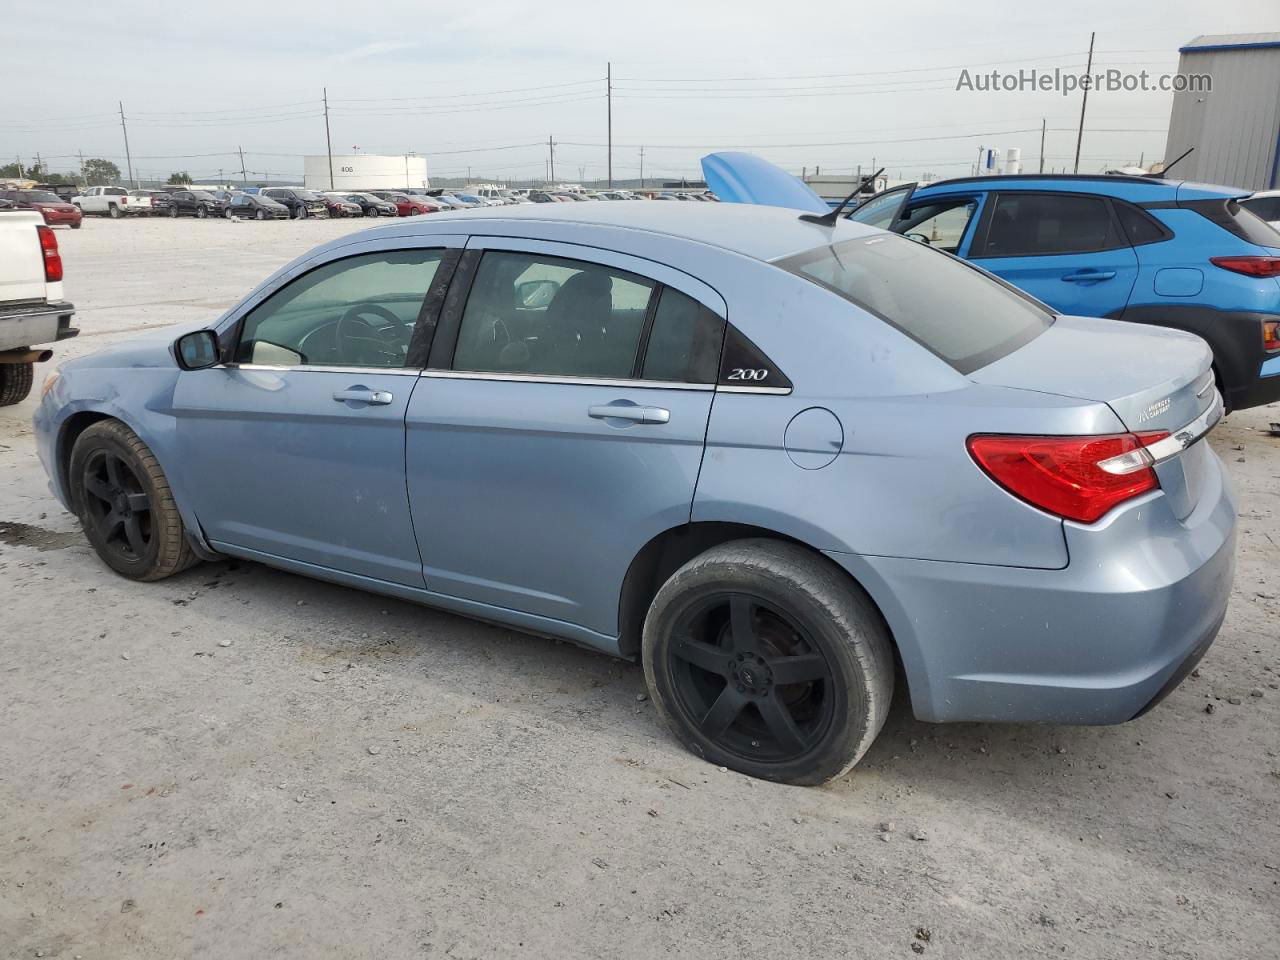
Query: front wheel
[[125, 505], [261, 214], [302, 213], [201, 212], [173, 212], [15, 382], [764, 657], [370, 211]]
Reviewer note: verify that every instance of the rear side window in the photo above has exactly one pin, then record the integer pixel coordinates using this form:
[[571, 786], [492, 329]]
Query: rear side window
[[956, 311], [1033, 224], [684, 341], [1138, 226]]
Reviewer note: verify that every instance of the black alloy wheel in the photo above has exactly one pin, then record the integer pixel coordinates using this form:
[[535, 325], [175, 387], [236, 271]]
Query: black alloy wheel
[[751, 678], [117, 505], [765, 657]]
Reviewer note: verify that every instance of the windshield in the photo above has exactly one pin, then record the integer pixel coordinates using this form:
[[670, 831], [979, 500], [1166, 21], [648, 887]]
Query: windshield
[[951, 308], [309, 195]]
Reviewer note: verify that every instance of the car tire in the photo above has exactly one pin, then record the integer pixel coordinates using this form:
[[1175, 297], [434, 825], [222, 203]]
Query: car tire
[[227, 213], [721, 632], [201, 212], [261, 214], [173, 211], [301, 214], [124, 504], [15, 382], [77, 225], [113, 211]]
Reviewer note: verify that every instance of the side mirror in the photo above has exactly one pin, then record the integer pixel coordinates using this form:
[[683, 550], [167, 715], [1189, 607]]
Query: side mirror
[[536, 294], [197, 350]]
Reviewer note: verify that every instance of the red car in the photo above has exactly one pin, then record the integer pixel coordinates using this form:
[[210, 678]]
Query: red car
[[55, 211], [406, 206]]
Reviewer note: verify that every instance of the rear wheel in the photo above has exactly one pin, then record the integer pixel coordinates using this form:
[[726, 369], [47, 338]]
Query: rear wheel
[[15, 382], [173, 211], [763, 657], [114, 211], [125, 505], [201, 212]]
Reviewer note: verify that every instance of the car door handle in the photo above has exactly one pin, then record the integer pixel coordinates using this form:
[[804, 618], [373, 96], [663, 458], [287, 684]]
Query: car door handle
[[618, 411], [375, 398], [1087, 276]]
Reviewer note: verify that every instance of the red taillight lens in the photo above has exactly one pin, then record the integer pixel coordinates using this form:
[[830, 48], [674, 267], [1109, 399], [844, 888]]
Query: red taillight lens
[[124, 201], [1249, 266], [1271, 335], [1063, 475], [52, 259]]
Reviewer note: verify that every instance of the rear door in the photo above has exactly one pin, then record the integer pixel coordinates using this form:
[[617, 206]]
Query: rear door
[[1066, 249], [560, 425]]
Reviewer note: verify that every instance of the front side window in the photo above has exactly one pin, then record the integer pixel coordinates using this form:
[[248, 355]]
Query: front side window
[[882, 210], [535, 314], [1033, 224], [956, 311], [356, 312], [940, 224]]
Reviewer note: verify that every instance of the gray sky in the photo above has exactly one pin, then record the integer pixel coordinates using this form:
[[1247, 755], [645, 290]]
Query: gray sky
[[482, 85]]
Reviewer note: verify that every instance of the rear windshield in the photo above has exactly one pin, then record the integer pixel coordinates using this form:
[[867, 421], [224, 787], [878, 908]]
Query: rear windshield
[[1268, 208], [951, 308]]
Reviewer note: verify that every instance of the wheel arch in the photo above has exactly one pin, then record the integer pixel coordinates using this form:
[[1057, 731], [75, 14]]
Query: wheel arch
[[665, 553], [76, 424]]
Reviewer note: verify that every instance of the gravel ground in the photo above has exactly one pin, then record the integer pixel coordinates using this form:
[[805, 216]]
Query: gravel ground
[[239, 762]]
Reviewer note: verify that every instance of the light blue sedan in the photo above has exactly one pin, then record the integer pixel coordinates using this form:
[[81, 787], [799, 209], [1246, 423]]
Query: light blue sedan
[[775, 458]]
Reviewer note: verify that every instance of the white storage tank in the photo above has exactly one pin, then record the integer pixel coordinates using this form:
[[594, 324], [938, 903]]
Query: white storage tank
[[365, 171], [1013, 161]]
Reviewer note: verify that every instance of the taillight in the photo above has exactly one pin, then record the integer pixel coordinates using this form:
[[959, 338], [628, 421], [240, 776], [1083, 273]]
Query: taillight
[[1249, 266], [52, 259], [123, 201], [1077, 478], [1271, 335]]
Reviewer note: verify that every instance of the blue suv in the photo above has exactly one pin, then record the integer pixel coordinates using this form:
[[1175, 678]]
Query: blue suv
[[1175, 254], [1165, 252]]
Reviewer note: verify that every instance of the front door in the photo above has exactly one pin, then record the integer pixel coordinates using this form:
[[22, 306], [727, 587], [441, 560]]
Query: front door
[[560, 427], [1066, 250], [296, 448]]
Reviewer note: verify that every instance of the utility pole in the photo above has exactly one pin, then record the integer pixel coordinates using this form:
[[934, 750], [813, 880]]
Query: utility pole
[[1084, 102], [642, 168], [551, 158], [1043, 124], [608, 86], [243, 176], [329, 143], [128, 158], [82, 177]]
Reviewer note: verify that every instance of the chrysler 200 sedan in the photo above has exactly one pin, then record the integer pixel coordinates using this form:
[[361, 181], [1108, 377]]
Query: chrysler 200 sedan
[[774, 459]]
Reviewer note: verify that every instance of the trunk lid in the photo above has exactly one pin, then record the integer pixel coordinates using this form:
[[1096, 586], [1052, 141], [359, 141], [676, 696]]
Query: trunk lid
[[1153, 378]]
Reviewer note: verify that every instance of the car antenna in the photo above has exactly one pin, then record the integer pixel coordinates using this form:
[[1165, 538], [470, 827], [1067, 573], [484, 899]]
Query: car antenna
[[1169, 165], [829, 219]]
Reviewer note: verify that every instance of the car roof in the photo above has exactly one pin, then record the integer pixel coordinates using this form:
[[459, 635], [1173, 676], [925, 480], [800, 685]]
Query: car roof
[[760, 232], [1134, 189]]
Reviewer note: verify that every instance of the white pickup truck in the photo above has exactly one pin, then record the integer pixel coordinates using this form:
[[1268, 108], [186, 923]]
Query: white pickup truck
[[114, 202], [32, 311]]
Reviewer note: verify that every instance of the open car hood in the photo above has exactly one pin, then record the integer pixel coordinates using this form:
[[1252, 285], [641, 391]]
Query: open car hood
[[745, 178]]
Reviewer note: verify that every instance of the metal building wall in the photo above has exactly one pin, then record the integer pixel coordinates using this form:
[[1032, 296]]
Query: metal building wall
[[1235, 128], [365, 171]]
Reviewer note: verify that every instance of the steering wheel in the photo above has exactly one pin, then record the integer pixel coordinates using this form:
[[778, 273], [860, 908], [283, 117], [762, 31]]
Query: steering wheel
[[360, 341], [921, 238]]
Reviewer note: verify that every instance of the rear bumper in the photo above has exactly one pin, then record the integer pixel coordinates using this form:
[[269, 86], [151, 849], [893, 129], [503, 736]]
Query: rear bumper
[[1097, 642], [35, 325]]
